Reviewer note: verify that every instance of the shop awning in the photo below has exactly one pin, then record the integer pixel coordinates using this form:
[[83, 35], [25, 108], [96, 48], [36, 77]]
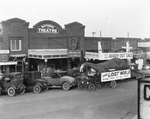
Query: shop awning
[[8, 63], [47, 53]]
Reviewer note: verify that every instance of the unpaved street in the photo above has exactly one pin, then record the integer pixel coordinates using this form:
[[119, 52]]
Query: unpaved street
[[104, 103]]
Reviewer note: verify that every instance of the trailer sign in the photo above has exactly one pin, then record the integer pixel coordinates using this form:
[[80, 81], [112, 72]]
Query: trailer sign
[[115, 75]]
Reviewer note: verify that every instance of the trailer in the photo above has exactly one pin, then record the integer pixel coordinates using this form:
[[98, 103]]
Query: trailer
[[106, 73]]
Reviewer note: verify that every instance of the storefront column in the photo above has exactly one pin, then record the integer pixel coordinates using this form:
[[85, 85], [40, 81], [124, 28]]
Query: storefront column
[[45, 74]]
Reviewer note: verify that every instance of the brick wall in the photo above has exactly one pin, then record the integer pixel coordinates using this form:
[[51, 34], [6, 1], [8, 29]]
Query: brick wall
[[16, 29]]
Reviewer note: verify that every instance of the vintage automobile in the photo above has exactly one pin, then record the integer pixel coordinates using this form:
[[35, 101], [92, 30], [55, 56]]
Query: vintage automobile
[[33, 81], [86, 82], [60, 79], [12, 83]]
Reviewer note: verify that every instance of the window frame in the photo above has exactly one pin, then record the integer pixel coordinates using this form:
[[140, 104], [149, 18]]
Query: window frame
[[15, 49]]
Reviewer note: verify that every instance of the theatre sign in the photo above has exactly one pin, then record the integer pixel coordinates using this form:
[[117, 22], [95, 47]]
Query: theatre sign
[[47, 28]]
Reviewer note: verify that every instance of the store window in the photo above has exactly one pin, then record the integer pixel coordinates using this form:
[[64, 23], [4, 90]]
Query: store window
[[15, 45]]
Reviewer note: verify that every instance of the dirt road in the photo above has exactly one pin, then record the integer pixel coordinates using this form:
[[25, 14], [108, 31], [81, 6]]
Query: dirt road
[[104, 103]]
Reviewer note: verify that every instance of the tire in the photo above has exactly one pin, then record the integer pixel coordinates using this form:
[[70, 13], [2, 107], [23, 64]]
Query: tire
[[65, 86], [91, 87], [37, 89], [45, 86], [22, 91], [81, 86], [46, 89], [113, 84], [11, 91]]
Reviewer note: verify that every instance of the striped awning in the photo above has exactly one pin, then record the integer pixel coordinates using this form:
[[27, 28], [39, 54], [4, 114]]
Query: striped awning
[[18, 55]]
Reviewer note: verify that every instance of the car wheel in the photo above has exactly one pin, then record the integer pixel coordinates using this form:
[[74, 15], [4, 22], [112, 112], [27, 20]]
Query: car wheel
[[22, 91], [81, 86], [11, 91], [36, 89], [66, 86], [113, 84], [45, 86], [91, 87]]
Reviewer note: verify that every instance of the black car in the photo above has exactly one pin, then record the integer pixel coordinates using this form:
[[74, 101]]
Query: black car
[[12, 83], [33, 81]]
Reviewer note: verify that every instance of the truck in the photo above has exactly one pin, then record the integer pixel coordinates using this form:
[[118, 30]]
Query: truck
[[108, 72]]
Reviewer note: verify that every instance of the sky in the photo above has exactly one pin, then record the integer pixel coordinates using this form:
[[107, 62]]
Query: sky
[[113, 18]]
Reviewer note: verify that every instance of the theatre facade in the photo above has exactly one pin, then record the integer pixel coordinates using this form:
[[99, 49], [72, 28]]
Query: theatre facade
[[47, 44]]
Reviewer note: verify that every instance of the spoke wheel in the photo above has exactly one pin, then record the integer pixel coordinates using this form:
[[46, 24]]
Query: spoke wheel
[[113, 84], [11, 91], [91, 87], [66, 86], [36, 89]]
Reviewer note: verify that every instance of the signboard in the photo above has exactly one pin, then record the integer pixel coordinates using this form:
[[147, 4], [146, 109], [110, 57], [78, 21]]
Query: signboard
[[144, 99], [4, 51], [91, 55], [143, 44], [47, 28], [75, 53], [115, 75], [108, 56]]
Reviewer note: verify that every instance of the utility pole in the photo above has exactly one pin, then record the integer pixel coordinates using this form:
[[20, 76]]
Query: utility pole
[[100, 35]]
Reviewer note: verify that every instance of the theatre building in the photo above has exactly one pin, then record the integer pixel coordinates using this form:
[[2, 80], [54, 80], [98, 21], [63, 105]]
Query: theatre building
[[52, 46], [47, 44]]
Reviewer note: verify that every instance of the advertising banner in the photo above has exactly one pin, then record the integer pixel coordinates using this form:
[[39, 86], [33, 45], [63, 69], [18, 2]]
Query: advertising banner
[[115, 75], [108, 56]]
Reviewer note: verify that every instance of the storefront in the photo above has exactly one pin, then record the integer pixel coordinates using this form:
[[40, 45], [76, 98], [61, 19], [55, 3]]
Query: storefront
[[6, 66], [53, 58]]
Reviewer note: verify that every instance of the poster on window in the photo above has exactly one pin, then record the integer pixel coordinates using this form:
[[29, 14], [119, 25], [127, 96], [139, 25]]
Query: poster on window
[[115, 75]]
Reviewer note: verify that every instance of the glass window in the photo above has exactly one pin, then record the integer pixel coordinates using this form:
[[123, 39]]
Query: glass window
[[15, 45]]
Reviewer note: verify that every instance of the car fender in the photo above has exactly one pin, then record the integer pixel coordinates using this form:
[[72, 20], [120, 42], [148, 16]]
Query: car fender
[[21, 86], [67, 82], [39, 83], [12, 87]]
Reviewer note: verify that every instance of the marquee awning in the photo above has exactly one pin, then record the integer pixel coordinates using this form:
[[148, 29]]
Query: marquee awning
[[47, 53]]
